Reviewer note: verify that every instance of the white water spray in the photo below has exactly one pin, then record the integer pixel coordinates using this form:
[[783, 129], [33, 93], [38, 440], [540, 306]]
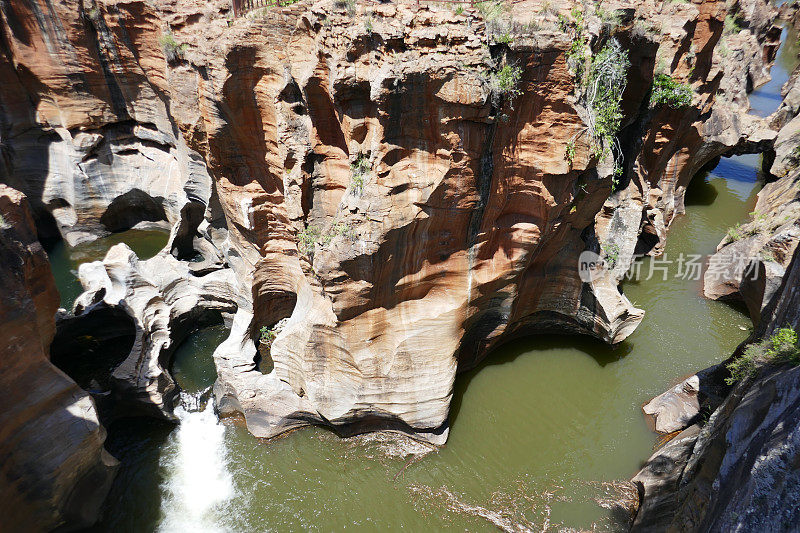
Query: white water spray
[[198, 483]]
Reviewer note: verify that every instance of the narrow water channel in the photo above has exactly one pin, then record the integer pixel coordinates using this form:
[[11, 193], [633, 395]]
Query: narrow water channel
[[766, 99], [536, 429]]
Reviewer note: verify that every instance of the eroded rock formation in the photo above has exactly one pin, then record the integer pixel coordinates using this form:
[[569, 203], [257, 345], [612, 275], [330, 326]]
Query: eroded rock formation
[[735, 466], [364, 178], [752, 259], [737, 471], [54, 471]]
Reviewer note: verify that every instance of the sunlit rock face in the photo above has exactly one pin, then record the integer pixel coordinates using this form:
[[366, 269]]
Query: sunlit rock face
[[55, 472], [752, 259], [735, 466], [85, 123], [162, 299], [361, 181]]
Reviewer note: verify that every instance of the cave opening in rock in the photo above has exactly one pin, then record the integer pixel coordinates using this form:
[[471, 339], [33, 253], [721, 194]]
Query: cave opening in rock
[[132, 208], [88, 348]]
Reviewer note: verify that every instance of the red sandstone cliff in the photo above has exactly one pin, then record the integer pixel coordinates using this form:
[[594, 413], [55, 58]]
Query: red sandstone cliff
[[369, 191], [54, 471]]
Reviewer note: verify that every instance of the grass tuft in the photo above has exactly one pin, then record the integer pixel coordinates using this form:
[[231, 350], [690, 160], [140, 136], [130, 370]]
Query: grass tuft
[[173, 51], [779, 348]]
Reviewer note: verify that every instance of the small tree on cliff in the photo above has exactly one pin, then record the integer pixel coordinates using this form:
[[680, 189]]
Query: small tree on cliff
[[172, 50], [603, 94], [599, 87], [504, 83]]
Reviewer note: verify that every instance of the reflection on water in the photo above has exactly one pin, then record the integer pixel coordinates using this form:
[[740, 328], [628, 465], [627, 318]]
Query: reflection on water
[[740, 169], [766, 99], [192, 363], [65, 260]]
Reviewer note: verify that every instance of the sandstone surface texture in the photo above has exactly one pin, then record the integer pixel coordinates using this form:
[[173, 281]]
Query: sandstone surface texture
[[54, 471], [393, 190]]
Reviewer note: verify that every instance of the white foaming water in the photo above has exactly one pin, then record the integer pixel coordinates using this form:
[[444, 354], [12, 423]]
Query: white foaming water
[[198, 483]]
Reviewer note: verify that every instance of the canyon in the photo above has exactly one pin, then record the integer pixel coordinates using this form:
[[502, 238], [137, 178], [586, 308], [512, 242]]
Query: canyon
[[372, 198]]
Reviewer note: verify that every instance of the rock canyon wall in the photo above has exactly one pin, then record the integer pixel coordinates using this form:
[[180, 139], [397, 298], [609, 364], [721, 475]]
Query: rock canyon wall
[[732, 464], [383, 193], [54, 471], [365, 180]]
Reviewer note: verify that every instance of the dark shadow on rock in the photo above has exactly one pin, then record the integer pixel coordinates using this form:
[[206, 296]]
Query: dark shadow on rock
[[128, 209], [137, 444], [88, 348]]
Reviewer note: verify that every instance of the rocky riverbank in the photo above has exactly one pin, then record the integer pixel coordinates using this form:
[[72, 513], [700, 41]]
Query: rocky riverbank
[[402, 188], [55, 472], [733, 464]]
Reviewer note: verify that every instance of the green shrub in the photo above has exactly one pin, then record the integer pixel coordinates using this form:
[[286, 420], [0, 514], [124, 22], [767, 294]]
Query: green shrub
[[780, 348], [611, 251], [504, 38], [570, 25], [267, 335], [767, 256], [668, 92], [603, 91], [310, 236], [359, 169], [735, 233], [172, 50], [339, 229], [576, 57], [739, 232], [607, 80], [574, 27], [459, 10], [731, 25], [610, 19], [505, 83], [490, 10], [306, 239], [570, 152]]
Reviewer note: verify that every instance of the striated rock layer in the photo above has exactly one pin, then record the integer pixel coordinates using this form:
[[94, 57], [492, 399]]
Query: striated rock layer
[[54, 471], [362, 179], [737, 470], [162, 299]]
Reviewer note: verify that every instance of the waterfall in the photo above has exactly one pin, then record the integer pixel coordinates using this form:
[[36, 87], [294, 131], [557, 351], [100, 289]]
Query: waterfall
[[197, 482]]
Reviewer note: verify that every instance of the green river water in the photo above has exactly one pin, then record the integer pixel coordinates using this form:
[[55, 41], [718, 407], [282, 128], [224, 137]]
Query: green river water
[[535, 429], [542, 415]]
